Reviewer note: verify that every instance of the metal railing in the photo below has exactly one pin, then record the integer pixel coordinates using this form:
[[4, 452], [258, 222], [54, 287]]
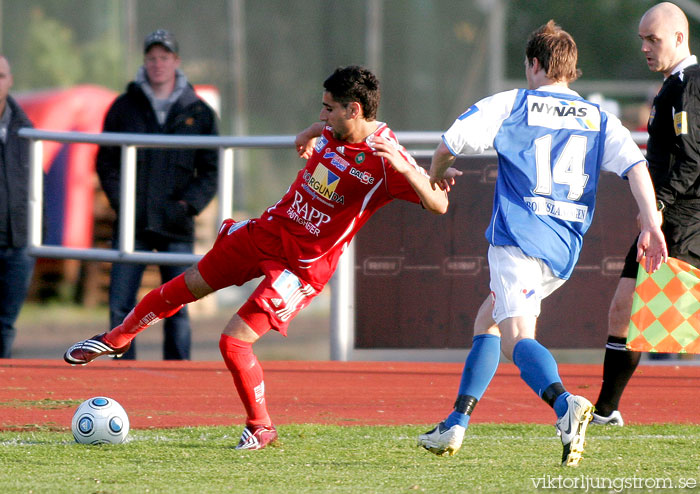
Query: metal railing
[[129, 143]]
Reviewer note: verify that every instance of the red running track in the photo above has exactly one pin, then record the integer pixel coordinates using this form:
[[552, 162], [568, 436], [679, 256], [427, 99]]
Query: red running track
[[174, 394]]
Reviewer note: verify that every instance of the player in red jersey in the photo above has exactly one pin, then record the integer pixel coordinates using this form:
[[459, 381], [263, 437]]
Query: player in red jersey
[[354, 166]]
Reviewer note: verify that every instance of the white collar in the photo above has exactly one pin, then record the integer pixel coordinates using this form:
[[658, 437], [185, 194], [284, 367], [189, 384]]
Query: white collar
[[557, 88]]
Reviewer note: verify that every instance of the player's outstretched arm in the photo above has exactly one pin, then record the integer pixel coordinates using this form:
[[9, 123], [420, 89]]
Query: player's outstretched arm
[[433, 199], [651, 243], [306, 139]]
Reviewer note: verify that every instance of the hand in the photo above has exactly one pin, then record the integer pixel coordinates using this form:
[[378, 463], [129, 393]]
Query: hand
[[651, 246], [437, 178], [447, 181], [304, 145], [305, 141], [387, 150]]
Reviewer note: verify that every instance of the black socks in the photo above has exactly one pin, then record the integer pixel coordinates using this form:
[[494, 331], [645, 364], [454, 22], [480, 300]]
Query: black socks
[[618, 367]]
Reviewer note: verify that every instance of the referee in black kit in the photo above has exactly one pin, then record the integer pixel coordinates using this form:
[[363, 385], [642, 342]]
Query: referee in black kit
[[673, 153]]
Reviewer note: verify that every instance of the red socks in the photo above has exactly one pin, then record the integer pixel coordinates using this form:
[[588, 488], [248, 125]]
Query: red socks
[[158, 304], [247, 376]]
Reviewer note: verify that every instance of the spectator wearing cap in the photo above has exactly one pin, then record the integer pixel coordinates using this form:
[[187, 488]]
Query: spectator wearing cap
[[172, 185]]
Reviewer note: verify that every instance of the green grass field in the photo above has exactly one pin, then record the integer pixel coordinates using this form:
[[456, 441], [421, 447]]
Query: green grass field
[[330, 459]]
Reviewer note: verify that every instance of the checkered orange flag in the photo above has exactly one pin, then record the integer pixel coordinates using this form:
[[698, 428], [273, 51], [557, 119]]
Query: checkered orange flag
[[666, 309]]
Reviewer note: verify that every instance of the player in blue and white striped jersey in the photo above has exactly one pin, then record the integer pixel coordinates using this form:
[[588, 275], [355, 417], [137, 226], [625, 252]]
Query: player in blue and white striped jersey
[[551, 145]]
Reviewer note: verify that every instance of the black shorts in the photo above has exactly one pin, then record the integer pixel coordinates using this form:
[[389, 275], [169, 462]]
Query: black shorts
[[631, 265]]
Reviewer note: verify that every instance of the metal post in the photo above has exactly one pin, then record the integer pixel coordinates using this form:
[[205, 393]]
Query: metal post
[[225, 184], [373, 39], [496, 23], [131, 47], [238, 93], [127, 200], [343, 307], [36, 192]]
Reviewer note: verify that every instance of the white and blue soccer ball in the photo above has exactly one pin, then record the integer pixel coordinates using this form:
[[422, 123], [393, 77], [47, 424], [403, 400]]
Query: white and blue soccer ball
[[100, 420]]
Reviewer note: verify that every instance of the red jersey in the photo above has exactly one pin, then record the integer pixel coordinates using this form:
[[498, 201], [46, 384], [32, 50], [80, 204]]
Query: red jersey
[[333, 196]]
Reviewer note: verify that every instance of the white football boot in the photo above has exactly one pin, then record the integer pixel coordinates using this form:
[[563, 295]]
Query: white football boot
[[441, 440], [615, 418], [571, 427]]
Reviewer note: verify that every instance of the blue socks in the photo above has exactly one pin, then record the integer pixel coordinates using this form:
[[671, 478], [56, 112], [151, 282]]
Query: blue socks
[[539, 370], [479, 369]]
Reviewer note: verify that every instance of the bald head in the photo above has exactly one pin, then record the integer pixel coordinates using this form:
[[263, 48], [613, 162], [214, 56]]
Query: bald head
[[664, 33], [670, 15]]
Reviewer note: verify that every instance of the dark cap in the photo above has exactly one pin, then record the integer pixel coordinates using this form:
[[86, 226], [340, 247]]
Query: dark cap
[[160, 37]]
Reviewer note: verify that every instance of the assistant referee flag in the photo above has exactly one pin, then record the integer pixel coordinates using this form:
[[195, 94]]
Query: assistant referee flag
[[665, 314]]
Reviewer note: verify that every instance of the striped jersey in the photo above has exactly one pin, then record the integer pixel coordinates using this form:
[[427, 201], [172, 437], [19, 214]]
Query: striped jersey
[[551, 146], [333, 196]]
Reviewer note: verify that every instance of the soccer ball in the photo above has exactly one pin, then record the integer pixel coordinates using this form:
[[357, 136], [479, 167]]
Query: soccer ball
[[100, 420]]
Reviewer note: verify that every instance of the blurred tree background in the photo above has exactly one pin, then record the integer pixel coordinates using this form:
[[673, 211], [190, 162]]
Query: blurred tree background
[[269, 58]]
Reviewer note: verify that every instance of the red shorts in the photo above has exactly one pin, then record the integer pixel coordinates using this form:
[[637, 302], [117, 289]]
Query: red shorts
[[240, 253]]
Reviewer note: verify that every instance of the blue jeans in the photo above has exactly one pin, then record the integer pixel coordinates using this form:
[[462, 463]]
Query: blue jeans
[[16, 267], [125, 281]]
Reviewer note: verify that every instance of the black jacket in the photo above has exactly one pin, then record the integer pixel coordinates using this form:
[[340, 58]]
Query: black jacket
[[673, 152], [16, 159], [166, 176]]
